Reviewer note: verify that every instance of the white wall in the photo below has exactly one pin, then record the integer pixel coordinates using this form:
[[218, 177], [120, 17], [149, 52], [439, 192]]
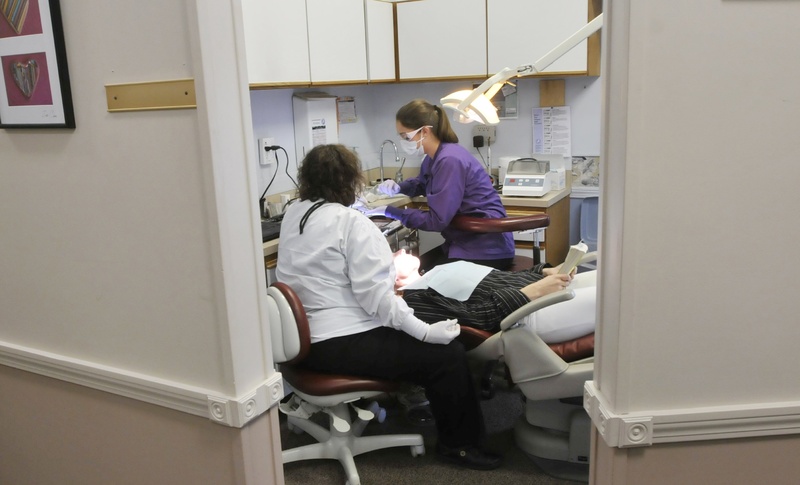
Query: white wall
[[130, 262], [377, 104], [698, 307], [104, 228], [120, 238]]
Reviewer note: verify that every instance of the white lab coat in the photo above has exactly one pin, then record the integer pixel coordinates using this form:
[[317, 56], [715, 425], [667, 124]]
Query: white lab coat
[[342, 269]]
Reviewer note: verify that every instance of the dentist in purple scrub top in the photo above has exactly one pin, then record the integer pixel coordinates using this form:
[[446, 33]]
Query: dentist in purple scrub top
[[453, 182]]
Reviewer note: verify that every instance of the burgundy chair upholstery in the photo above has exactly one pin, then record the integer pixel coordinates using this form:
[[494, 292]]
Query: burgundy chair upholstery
[[471, 337], [570, 351], [505, 224], [338, 396], [317, 383]]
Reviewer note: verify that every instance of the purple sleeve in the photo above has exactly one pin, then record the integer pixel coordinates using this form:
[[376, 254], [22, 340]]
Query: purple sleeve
[[416, 185], [445, 194], [412, 187]]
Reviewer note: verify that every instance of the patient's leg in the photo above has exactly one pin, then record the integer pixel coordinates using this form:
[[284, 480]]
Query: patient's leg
[[570, 319]]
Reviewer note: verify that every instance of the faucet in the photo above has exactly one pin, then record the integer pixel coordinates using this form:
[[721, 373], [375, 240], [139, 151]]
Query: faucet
[[398, 176], [396, 156]]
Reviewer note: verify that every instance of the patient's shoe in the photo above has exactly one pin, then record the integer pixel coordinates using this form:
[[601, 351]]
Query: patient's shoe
[[469, 457]]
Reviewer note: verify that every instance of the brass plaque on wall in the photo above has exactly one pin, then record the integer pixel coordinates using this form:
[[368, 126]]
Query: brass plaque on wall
[[176, 94]]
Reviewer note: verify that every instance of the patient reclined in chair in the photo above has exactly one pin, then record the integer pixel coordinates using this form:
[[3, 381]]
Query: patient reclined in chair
[[548, 346], [480, 297]]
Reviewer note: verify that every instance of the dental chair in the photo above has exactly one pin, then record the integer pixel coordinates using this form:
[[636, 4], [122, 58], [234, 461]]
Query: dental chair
[[555, 429], [506, 224], [332, 394]]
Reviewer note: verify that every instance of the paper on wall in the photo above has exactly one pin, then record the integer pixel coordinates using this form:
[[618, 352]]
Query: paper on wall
[[552, 132]]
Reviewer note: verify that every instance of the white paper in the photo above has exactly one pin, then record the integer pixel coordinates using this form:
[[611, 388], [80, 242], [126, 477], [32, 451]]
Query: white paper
[[552, 132], [347, 109], [454, 280], [319, 132]]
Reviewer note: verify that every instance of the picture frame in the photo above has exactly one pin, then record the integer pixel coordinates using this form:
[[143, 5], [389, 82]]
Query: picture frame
[[34, 84]]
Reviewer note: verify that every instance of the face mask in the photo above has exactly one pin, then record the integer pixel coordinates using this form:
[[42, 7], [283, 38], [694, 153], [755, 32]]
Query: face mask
[[412, 147]]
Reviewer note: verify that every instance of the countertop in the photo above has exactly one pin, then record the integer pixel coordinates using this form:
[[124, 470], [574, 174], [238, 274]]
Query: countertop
[[271, 247], [509, 201]]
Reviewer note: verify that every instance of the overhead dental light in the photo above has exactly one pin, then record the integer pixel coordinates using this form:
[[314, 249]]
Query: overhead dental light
[[475, 105]]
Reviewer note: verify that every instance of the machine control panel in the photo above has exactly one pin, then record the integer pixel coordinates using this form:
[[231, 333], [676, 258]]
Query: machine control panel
[[524, 181]]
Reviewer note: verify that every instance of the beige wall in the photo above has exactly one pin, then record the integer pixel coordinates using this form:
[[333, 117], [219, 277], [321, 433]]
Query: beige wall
[[53, 433], [770, 460], [129, 261], [110, 231], [698, 305]]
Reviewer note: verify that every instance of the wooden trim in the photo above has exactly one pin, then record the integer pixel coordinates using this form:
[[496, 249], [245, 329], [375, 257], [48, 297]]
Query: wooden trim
[[470, 79], [396, 43], [257, 86], [557, 237], [552, 92], [339, 83], [556, 240], [475, 78], [593, 42]]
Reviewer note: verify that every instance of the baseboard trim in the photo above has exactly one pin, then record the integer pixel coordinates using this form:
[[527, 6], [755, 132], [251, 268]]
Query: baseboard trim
[[694, 424], [226, 410]]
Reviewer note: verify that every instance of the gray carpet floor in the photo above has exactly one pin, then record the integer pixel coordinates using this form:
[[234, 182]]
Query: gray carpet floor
[[396, 466]]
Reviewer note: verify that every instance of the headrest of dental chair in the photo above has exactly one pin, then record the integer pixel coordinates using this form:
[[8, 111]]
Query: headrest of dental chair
[[503, 224], [569, 351]]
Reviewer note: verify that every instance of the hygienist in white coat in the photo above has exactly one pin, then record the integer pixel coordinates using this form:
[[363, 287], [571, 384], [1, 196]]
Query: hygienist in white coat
[[341, 267]]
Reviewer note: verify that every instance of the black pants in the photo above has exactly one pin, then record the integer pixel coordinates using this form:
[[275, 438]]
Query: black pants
[[437, 256], [442, 370]]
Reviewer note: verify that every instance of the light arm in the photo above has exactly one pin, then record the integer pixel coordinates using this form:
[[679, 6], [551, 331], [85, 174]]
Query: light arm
[[475, 105]]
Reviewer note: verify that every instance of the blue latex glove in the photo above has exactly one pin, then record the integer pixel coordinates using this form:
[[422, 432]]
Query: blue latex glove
[[389, 187]]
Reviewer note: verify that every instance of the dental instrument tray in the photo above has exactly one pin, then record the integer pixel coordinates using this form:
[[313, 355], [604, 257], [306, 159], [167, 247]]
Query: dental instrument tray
[[387, 225], [527, 177]]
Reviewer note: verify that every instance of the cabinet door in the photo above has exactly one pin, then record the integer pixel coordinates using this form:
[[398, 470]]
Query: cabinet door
[[337, 40], [380, 41], [276, 41], [441, 39], [522, 31]]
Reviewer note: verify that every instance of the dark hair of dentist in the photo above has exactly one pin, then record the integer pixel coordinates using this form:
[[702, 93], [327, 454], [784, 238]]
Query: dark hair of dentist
[[342, 268], [453, 182]]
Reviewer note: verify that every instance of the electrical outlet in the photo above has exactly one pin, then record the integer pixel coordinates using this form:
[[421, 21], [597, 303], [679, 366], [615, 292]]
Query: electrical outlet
[[265, 157], [489, 133]]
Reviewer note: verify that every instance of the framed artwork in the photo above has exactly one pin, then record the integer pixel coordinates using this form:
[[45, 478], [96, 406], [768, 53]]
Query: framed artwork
[[34, 85]]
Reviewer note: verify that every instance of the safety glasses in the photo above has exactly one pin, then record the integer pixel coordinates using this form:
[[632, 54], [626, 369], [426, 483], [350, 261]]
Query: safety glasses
[[409, 135]]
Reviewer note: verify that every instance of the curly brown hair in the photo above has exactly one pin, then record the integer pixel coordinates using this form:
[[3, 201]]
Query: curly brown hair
[[331, 173]]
